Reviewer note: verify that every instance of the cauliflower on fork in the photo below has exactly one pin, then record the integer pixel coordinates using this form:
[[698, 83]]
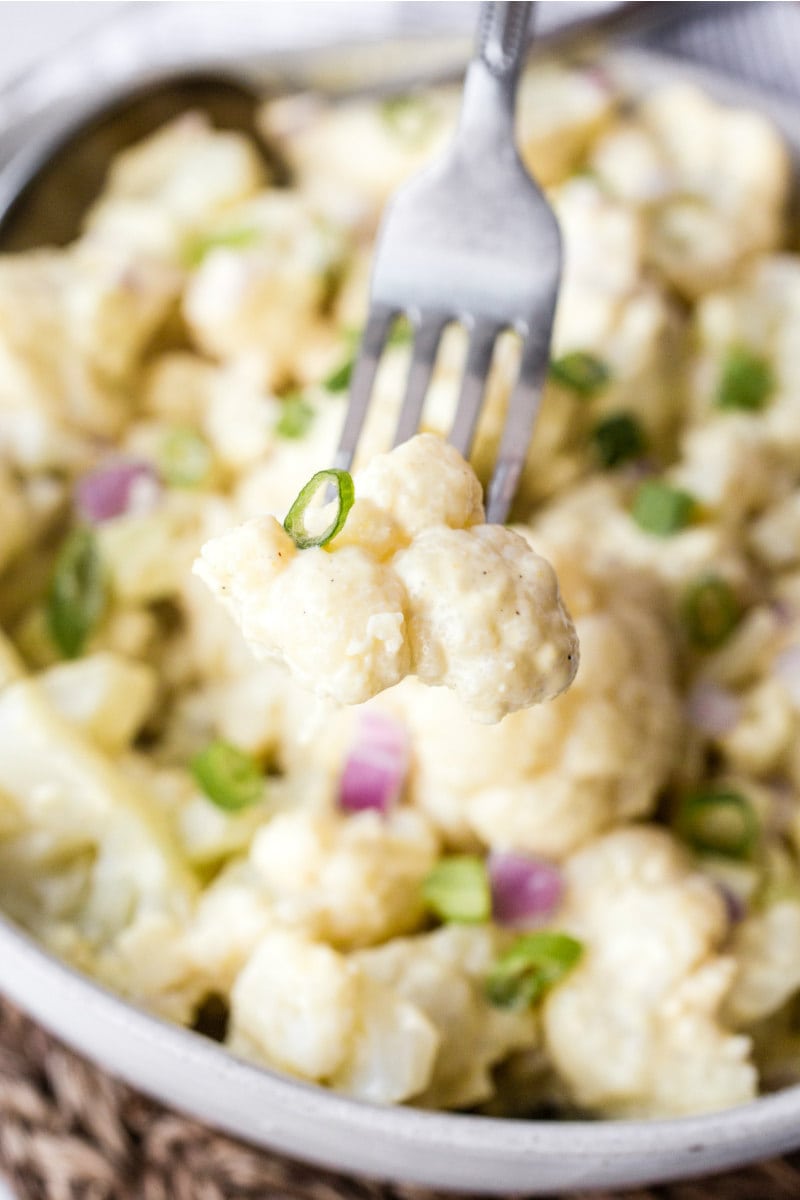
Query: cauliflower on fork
[[415, 583]]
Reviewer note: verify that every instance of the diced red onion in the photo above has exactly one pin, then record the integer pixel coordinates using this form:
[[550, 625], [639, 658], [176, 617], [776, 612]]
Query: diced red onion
[[783, 612], [124, 486], [712, 709], [787, 669], [525, 890], [376, 768], [734, 905]]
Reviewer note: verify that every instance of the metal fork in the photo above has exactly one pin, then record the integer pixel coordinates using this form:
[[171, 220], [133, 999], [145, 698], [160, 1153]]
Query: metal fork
[[472, 240]]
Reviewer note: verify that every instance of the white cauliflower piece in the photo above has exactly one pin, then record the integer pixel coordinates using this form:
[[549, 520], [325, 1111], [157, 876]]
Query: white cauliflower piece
[[336, 619], [766, 946], [423, 483], [167, 185], [758, 316], [610, 308], [263, 301], [106, 696], [442, 974], [635, 1030], [598, 504], [301, 1007], [395, 138], [561, 111], [472, 607], [349, 880], [72, 327], [231, 918], [149, 556], [80, 810], [548, 778], [148, 963], [485, 619], [730, 175]]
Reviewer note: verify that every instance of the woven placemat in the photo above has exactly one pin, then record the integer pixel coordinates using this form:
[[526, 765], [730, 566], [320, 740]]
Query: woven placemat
[[70, 1132]]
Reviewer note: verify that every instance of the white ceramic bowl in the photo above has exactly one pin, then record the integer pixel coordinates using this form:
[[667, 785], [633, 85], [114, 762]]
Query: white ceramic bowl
[[479, 1154]]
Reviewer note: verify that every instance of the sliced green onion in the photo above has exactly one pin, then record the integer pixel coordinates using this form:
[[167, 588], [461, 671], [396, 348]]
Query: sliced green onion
[[197, 247], [231, 778], [618, 438], [709, 611], [184, 457], [409, 118], [661, 509], [296, 417], [457, 889], [581, 372], [339, 380], [746, 381], [78, 595], [295, 524], [718, 821], [534, 964]]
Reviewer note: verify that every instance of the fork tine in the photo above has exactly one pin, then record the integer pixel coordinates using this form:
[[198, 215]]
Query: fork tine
[[479, 359], [373, 341], [426, 346], [522, 409]]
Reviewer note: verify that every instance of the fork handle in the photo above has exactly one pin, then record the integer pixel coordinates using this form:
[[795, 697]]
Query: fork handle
[[490, 88]]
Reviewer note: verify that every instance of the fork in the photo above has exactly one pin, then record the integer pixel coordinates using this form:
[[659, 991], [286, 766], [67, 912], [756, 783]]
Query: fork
[[470, 240]]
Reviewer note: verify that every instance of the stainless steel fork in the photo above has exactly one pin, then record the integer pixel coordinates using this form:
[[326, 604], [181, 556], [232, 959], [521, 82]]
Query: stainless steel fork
[[473, 240]]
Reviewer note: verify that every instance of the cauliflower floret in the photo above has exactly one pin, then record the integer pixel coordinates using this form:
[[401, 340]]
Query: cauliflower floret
[[350, 622], [334, 618], [635, 1029], [561, 109], [169, 183], [729, 467], [148, 962], [610, 308], [231, 918], [352, 880], [714, 180], [548, 778], [766, 947], [303, 1008], [395, 138], [72, 327], [758, 317], [423, 483], [80, 810], [598, 504], [442, 974], [262, 301], [485, 619], [106, 696]]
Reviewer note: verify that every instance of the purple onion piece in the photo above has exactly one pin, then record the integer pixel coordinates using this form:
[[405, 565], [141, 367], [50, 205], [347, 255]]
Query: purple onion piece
[[376, 767], [787, 669], [734, 905], [712, 709], [526, 891], [120, 487]]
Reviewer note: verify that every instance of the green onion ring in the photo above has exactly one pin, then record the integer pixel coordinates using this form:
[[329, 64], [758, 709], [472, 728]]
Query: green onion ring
[[295, 524], [534, 964], [718, 821]]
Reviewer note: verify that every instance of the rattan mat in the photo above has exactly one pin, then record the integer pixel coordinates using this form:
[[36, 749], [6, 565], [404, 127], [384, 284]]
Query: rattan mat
[[69, 1132]]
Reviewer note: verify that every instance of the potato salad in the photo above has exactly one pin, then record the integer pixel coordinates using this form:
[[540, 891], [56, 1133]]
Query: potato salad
[[340, 783]]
